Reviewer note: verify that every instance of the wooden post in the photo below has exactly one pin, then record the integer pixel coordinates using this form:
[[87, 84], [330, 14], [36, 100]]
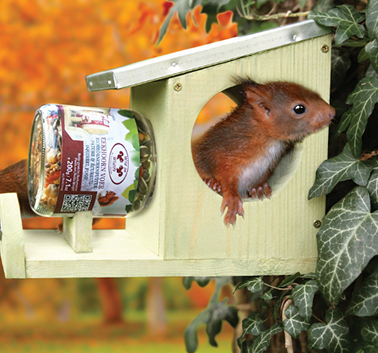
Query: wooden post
[[12, 242], [78, 231]]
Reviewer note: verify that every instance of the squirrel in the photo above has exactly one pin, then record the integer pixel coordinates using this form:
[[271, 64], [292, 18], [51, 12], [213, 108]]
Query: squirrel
[[236, 157], [15, 179]]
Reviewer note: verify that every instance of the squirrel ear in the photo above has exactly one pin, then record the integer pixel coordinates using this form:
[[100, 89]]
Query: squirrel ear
[[258, 99], [253, 96]]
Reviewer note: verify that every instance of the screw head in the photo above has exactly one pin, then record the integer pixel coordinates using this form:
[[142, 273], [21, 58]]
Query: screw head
[[325, 48], [177, 87], [317, 224]]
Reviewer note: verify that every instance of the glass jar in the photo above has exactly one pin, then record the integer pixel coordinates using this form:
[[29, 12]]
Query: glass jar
[[84, 158]]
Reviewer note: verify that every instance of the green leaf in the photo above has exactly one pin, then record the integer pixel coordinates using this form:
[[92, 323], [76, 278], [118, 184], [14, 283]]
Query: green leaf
[[362, 55], [345, 17], [303, 296], [346, 241], [126, 114], [260, 3], [332, 336], [201, 281], [295, 323], [267, 295], [370, 332], [183, 7], [130, 193], [289, 280], [364, 97], [212, 8], [342, 167], [372, 186], [340, 64], [323, 5], [343, 123], [364, 301], [372, 18], [253, 285], [368, 348], [219, 312], [251, 325], [302, 3], [372, 53], [191, 338], [371, 72], [212, 316], [261, 343]]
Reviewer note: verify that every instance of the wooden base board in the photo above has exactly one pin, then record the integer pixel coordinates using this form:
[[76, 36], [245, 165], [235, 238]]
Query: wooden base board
[[116, 254]]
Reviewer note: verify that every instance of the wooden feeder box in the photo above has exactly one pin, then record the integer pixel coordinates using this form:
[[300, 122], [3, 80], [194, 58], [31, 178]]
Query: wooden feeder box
[[181, 233]]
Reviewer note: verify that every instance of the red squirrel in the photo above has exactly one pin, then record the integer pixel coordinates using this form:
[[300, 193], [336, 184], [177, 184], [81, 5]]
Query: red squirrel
[[14, 179], [237, 156]]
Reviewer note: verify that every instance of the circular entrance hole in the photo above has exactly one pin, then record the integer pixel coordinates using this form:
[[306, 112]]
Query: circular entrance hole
[[217, 108]]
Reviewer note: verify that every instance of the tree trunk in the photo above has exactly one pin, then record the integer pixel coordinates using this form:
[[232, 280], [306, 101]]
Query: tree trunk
[[111, 301]]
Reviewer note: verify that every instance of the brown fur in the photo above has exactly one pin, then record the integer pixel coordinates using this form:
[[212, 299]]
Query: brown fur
[[246, 146]]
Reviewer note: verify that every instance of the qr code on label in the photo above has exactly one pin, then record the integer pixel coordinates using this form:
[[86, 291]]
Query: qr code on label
[[74, 203]]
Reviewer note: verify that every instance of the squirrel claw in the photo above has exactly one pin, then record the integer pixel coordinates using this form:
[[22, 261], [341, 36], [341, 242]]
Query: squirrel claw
[[235, 206], [213, 185], [261, 191]]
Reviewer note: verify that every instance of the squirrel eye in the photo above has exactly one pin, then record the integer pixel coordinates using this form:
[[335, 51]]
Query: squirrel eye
[[299, 109]]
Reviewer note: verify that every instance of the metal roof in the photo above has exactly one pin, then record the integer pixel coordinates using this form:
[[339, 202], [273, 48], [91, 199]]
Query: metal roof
[[203, 56]]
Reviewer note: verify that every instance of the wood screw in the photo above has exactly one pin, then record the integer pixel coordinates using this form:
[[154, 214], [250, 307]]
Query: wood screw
[[177, 87], [317, 224], [325, 48]]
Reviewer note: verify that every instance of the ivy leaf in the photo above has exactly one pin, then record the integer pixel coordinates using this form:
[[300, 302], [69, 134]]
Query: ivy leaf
[[372, 53], [183, 7], [368, 348], [303, 296], [219, 312], [372, 186], [364, 97], [346, 241], [289, 280], [251, 325], [343, 124], [191, 338], [340, 64], [253, 285], [267, 295], [261, 343], [372, 18], [333, 336], [201, 281], [212, 8], [342, 167], [212, 317], [370, 333], [345, 17], [295, 323], [365, 300], [302, 3], [371, 72]]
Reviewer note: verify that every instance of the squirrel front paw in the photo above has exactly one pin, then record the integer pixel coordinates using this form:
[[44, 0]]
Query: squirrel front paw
[[234, 206], [261, 191], [213, 185]]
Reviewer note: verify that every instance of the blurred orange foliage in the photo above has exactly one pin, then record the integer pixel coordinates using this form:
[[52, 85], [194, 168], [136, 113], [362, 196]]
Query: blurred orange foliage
[[49, 46]]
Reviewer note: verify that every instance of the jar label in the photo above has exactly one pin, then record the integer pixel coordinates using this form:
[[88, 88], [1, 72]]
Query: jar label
[[100, 161]]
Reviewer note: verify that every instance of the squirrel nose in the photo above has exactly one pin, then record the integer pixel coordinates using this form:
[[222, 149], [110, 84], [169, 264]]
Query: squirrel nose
[[332, 112]]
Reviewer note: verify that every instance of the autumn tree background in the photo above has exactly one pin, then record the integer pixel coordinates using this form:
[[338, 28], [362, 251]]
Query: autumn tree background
[[47, 47]]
